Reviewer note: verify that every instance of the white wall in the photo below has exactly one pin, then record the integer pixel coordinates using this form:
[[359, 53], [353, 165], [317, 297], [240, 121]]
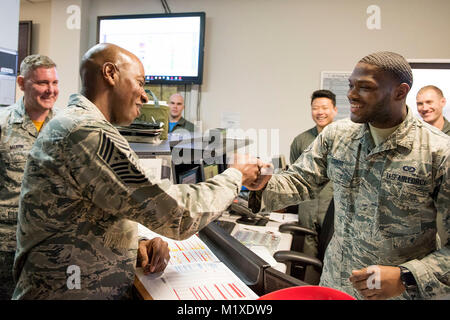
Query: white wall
[[9, 24], [65, 47], [40, 14], [263, 58]]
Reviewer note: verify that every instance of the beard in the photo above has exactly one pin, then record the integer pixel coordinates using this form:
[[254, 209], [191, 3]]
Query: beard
[[380, 112]]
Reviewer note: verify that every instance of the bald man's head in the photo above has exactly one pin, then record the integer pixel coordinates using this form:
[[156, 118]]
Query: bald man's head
[[430, 104], [93, 61], [113, 79], [176, 104]]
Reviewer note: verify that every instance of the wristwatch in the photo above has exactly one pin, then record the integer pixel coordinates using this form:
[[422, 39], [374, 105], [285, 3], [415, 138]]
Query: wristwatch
[[408, 279]]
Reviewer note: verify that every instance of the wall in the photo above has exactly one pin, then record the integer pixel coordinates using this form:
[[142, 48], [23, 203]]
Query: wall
[[9, 36], [53, 36], [65, 47], [40, 13], [263, 58]]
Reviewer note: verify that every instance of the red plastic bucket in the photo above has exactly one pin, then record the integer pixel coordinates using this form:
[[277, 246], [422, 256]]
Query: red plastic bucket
[[307, 293]]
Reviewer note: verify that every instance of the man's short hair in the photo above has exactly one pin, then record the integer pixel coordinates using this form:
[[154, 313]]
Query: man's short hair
[[177, 94], [324, 94], [431, 87], [34, 61], [392, 63]]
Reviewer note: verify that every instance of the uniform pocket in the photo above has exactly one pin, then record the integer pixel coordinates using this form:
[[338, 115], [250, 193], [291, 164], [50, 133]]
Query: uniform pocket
[[403, 200], [342, 173], [397, 219], [406, 192], [15, 160]]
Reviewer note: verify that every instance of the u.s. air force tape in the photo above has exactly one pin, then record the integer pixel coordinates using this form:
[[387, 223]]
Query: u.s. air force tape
[[113, 151]]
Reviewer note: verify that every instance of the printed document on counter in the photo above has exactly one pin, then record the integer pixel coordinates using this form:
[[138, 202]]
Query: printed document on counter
[[193, 273]]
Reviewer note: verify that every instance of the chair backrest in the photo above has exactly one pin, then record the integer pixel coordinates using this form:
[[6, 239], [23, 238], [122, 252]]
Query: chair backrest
[[326, 231]]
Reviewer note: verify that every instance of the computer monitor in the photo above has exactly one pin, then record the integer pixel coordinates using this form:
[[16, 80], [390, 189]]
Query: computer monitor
[[155, 159], [210, 171], [191, 176], [170, 46]]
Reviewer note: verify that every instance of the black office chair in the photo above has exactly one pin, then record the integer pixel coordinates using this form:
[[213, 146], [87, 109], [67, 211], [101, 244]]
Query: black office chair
[[297, 261]]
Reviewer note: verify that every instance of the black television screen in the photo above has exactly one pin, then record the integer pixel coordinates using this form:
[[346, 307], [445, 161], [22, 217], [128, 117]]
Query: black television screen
[[170, 46]]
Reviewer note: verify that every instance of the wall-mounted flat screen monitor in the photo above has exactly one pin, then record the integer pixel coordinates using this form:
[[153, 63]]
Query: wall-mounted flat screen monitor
[[170, 46], [430, 72]]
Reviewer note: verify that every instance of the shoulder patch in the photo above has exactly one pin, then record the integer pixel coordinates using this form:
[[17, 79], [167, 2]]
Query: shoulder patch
[[114, 153]]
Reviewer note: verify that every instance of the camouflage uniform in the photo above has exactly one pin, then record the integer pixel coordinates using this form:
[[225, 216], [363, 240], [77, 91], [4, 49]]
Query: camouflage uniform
[[17, 135], [81, 182], [386, 200], [183, 124], [443, 237], [446, 127], [311, 213]]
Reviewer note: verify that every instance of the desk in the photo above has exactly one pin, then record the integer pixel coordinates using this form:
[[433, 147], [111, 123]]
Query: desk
[[270, 227], [257, 274], [140, 290]]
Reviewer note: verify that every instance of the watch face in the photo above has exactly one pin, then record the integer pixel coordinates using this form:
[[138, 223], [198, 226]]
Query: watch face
[[407, 278]]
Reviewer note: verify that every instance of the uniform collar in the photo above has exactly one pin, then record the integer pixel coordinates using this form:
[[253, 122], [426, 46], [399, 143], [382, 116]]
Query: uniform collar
[[17, 116], [20, 113], [446, 127], [80, 101], [181, 122], [400, 137], [404, 136], [20, 116]]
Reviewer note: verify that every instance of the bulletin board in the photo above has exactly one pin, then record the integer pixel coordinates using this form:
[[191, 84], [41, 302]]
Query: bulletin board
[[337, 82]]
